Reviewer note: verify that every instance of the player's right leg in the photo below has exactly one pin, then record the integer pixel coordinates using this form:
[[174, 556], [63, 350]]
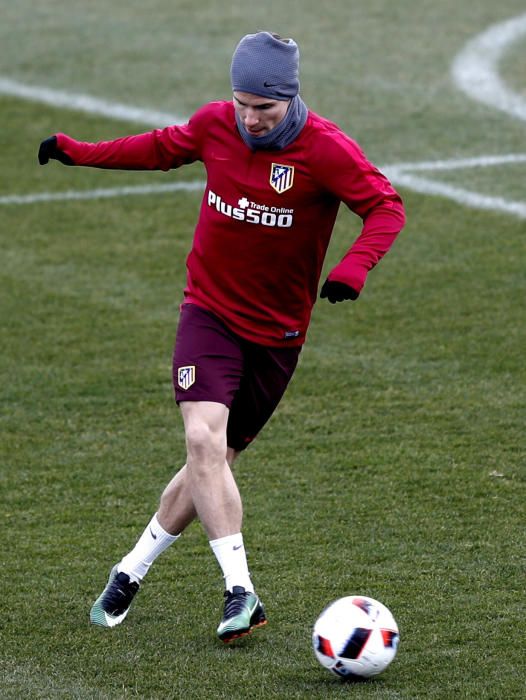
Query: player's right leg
[[175, 512], [112, 606]]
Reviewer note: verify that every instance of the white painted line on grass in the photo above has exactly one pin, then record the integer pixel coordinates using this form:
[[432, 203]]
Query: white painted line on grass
[[36, 197], [460, 195], [88, 104], [458, 163], [402, 175], [475, 69]]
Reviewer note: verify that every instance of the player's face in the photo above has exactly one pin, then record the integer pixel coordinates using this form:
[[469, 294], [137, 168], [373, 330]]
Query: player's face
[[259, 114]]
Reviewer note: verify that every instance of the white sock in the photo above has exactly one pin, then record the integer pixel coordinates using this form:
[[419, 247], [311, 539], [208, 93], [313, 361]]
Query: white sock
[[153, 541], [231, 556]]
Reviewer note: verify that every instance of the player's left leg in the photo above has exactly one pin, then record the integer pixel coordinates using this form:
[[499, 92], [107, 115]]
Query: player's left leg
[[214, 491], [267, 372], [212, 485], [218, 505]]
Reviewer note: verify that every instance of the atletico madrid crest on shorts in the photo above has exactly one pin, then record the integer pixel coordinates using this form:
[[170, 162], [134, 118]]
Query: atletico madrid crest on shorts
[[281, 177], [186, 376]]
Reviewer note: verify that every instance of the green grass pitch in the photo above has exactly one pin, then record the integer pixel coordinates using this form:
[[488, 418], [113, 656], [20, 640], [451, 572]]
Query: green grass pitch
[[394, 466]]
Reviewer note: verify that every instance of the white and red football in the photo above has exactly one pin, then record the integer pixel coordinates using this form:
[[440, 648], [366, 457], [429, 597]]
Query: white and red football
[[355, 636]]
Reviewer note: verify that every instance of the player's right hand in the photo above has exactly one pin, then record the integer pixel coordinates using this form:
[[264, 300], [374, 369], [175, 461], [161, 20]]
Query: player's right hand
[[49, 149]]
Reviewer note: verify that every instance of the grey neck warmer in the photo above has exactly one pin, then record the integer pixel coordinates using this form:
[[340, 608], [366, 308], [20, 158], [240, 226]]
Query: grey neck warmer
[[264, 64], [283, 134]]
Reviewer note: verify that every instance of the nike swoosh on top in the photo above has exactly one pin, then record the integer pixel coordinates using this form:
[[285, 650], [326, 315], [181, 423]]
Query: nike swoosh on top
[[152, 533]]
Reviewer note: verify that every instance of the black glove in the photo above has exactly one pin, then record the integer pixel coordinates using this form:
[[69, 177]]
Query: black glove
[[48, 149], [338, 291]]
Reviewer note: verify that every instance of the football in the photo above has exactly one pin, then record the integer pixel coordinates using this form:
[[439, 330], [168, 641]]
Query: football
[[355, 636]]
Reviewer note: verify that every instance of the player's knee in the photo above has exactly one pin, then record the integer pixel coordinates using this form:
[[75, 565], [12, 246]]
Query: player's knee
[[204, 444]]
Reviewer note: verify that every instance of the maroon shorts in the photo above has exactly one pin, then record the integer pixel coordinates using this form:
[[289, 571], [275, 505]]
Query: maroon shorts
[[210, 363]]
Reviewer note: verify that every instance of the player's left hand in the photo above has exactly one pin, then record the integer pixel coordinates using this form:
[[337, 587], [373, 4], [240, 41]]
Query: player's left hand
[[337, 291]]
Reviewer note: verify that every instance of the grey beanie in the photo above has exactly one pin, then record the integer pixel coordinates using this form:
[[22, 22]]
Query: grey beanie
[[265, 64]]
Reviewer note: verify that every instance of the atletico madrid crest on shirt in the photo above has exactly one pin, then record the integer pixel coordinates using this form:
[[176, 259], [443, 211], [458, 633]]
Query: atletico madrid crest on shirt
[[186, 376], [281, 177]]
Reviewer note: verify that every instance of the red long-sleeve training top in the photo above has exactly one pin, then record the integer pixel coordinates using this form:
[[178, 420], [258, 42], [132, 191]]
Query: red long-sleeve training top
[[266, 217]]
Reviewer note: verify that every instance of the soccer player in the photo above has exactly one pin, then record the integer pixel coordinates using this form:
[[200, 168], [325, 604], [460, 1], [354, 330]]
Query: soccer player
[[276, 175]]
